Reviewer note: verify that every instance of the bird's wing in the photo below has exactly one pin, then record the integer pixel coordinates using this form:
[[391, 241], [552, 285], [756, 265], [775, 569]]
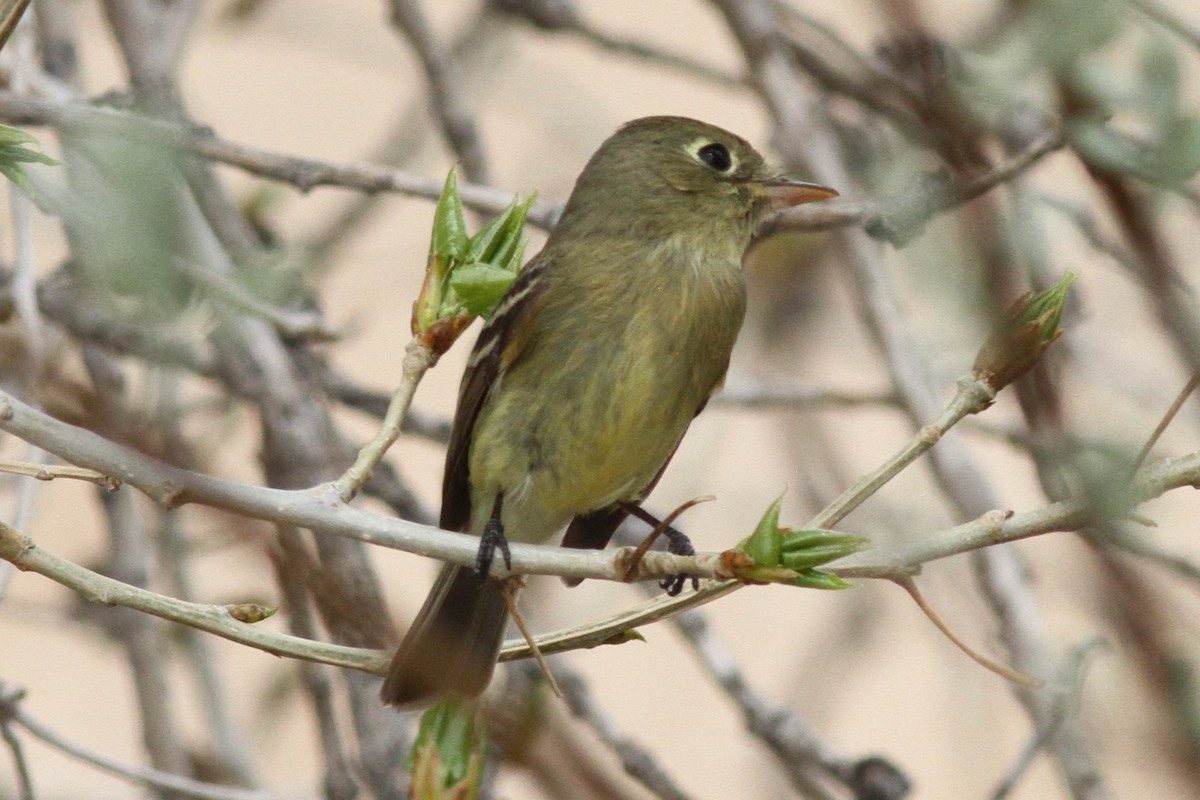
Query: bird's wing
[[500, 343]]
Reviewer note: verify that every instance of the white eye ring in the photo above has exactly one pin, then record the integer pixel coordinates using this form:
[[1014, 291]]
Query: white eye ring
[[713, 155]]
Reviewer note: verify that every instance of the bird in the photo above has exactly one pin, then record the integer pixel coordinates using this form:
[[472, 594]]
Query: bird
[[585, 378]]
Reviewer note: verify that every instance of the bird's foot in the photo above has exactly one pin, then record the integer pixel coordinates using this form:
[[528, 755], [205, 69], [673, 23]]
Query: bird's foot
[[493, 539], [679, 544]]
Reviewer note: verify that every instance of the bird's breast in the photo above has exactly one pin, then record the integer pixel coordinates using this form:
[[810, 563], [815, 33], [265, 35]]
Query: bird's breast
[[616, 366]]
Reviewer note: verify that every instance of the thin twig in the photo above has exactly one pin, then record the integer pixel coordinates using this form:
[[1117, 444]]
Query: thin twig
[[48, 472], [643, 547], [446, 90], [909, 585], [418, 358], [511, 584], [97, 588], [898, 219], [228, 743], [806, 136], [973, 395], [881, 562], [746, 392], [638, 762], [1167, 417], [143, 639], [804, 756], [10, 698], [173, 486], [1068, 684], [10, 14], [141, 776]]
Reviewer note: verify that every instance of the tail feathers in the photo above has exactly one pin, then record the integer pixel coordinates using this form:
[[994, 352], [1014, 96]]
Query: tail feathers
[[452, 645]]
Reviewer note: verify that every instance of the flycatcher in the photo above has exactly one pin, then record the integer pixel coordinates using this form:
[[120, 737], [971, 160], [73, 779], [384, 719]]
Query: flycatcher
[[581, 385]]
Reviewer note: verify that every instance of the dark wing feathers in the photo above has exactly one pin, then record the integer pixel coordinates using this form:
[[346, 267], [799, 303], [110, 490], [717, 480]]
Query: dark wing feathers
[[498, 345]]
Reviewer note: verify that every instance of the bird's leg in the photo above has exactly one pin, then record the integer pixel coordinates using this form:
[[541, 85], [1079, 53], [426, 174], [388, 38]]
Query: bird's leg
[[677, 543], [491, 540]]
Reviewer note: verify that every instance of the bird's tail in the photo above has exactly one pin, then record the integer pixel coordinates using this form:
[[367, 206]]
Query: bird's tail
[[452, 645]]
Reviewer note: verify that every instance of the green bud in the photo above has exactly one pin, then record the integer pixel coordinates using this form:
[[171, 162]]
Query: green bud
[[447, 759], [782, 555], [624, 637], [13, 154], [465, 276], [1017, 343], [250, 612]]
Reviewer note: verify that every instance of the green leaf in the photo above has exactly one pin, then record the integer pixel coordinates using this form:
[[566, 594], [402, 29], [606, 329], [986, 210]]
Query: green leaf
[[24, 155], [517, 258], [15, 136], [450, 732], [13, 154], [479, 287], [511, 241], [500, 235], [833, 547], [818, 579], [449, 224], [765, 545], [483, 243]]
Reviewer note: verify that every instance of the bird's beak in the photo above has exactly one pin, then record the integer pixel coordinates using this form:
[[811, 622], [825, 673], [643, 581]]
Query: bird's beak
[[781, 193]]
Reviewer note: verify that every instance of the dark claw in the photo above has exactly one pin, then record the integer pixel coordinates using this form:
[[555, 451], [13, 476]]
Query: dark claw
[[679, 544], [493, 539]]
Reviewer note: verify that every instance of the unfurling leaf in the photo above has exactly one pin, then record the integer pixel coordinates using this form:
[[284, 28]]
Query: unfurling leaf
[[783, 555], [447, 759], [13, 154], [465, 276], [1017, 343]]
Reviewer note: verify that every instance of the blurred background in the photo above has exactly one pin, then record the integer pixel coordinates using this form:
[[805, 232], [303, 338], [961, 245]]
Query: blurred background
[[1073, 124]]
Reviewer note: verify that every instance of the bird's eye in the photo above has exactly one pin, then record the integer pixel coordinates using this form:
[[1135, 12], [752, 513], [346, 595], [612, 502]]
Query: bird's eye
[[716, 156]]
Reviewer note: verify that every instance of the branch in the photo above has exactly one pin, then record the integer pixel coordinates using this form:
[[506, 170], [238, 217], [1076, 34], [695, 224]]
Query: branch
[[305, 174], [898, 219], [19, 549], [48, 472], [418, 358], [320, 510], [638, 762], [446, 88], [993, 528], [800, 752], [753, 393], [562, 17]]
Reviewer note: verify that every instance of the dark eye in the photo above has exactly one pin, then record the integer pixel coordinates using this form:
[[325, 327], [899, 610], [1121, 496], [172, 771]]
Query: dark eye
[[716, 156]]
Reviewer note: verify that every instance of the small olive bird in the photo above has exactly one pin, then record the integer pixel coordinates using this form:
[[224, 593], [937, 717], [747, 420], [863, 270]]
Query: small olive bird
[[589, 372]]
